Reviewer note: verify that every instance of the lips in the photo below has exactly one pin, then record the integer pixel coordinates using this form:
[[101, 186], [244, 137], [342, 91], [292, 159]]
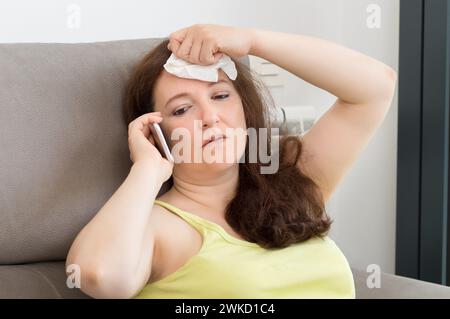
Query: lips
[[213, 138]]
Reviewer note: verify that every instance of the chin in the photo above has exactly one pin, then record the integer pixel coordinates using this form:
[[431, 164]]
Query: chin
[[218, 166]]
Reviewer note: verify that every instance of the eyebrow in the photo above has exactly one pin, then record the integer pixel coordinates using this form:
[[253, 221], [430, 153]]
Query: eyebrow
[[183, 94]]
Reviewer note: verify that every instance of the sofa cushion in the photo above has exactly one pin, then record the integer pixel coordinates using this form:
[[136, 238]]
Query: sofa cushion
[[38, 280]]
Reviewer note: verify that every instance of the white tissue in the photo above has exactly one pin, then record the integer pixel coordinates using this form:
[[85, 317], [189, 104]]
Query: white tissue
[[209, 73]]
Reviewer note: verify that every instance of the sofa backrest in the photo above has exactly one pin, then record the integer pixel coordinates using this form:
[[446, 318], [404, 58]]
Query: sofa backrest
[[63, 142]]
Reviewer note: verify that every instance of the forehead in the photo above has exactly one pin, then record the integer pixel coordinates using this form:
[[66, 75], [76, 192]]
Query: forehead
[[169, 84]]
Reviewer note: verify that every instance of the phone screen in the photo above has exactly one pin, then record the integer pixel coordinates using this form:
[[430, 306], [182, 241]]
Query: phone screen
[[160, 141]]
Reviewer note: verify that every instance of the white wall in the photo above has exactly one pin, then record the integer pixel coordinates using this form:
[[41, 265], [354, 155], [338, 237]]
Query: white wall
[[364, 205]]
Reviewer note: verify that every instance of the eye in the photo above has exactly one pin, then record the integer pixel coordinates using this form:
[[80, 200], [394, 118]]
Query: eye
[[176, 113], [222, 96]]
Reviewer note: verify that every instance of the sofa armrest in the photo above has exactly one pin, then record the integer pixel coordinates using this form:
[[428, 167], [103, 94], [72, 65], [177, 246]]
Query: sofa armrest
[[397, 287]]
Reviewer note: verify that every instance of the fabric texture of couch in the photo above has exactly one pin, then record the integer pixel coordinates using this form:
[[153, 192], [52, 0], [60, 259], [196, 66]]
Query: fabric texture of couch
[[64, 152]]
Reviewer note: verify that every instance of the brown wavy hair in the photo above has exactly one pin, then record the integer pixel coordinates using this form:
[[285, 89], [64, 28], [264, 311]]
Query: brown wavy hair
[[272, 210]]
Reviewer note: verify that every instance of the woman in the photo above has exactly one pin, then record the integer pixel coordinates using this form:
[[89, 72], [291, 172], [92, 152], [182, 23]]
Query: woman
[[224, 230]]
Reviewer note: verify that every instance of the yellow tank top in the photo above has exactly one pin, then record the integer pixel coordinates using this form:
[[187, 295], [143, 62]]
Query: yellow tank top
[[228, 267]]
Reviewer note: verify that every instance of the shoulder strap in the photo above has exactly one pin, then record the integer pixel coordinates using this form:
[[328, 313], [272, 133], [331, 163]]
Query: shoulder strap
[[189, 218]]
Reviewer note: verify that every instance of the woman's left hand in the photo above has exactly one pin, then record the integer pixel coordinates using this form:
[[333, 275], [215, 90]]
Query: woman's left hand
[[204, 43]]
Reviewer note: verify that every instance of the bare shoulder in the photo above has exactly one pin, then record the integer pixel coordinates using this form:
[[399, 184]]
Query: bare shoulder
[[175, 241], [157, 222]]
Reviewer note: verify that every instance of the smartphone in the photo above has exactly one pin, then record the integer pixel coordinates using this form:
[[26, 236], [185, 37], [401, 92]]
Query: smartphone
[[160, 141]]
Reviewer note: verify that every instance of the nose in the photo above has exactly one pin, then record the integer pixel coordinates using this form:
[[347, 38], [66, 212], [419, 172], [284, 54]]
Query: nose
[[209, 115]]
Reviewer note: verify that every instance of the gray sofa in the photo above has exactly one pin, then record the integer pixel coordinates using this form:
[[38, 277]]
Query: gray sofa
[[64, 152]]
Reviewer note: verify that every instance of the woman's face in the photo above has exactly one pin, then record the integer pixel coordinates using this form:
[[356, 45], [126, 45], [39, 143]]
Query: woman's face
[[202, 109]]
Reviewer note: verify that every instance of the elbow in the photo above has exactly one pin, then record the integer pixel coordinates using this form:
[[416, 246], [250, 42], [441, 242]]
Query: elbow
[[87, 278], [389, 72], [392, 77], [390, 84], [103, 285], [99, 283]]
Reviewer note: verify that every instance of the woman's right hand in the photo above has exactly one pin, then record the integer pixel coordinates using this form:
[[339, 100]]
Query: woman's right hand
[[142, 144]]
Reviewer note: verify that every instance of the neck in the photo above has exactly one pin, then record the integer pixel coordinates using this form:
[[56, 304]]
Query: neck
[[210, 191]]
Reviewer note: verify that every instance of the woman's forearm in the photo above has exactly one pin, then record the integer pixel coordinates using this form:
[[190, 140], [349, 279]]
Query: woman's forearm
[[349, 75]]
